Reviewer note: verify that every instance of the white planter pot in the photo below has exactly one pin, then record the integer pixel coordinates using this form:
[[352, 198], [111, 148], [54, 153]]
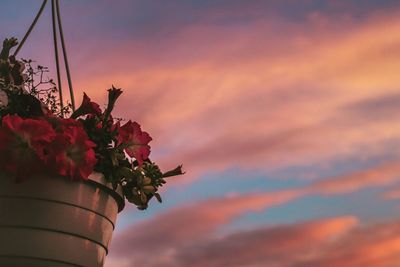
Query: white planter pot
[[52, 221]]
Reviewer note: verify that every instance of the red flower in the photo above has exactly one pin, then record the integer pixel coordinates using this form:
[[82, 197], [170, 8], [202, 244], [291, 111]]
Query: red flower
[[115, 127], [135, 141], [73, 153], [113, 95], [24, 145], [87, 107]]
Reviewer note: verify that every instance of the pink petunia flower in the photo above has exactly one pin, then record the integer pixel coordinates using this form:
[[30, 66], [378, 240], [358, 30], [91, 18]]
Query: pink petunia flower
[[72, 152], [87, 107], [135, 141], [24, 145]]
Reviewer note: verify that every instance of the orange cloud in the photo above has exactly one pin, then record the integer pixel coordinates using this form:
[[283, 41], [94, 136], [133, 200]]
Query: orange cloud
[[392, 194], [164, 233], [381, 175], [377, 245], [204, 218], [213, 97], [328, 242], [270, 246]]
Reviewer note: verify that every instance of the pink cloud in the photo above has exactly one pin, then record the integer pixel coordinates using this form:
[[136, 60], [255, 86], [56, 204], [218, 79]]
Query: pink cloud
[[172, 233], [331, 242], [186, 225], [340, 241], [204, 217], [214, 97], [270, 246], [377, 245], [393, 194], [381, 175]]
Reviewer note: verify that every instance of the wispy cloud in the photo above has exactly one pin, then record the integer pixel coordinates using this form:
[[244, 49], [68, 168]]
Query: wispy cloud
[[393, 194], [215, 95], [164, 234], [340, 241]]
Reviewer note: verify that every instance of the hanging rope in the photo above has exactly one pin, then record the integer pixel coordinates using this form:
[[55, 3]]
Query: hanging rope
[[55, 15], [64, 50], [30, 28], [53, 18]]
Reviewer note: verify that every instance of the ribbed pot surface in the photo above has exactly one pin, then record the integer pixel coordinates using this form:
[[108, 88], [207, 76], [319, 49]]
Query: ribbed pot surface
[[52, 221]]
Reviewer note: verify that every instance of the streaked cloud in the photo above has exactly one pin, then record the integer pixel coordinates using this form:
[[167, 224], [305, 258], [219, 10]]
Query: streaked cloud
[[165, 235], [340, 241], [217, 95], [382, 175], [393, 194]]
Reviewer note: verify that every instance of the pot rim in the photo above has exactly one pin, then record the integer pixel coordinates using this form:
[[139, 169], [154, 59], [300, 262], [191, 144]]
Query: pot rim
[[98, 180]]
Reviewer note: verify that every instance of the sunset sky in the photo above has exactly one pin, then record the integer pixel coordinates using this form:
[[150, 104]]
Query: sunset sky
[[284, 113]]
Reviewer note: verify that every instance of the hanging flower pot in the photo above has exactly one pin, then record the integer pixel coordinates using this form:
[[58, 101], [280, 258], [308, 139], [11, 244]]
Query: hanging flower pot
[[52, 221], [65, 174]]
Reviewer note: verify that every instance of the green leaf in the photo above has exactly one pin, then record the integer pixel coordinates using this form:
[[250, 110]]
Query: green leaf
[[113, 158], [143, 197], [149, 189], [126, 172], [158, 197], [176, 171]]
